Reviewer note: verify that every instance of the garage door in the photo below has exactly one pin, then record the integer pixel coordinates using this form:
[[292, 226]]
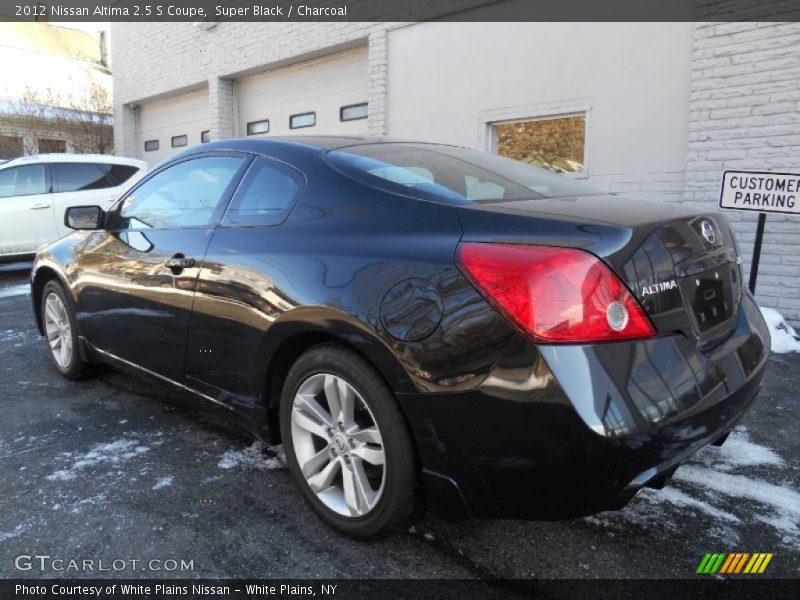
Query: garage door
[[167, 126], [325, 96]]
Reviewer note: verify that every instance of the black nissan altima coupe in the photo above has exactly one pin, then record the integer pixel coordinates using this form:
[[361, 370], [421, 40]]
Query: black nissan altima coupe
[[417, 324]]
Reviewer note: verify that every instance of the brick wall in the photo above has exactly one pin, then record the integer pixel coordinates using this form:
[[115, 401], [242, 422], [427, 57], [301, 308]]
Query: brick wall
[[744, 113]]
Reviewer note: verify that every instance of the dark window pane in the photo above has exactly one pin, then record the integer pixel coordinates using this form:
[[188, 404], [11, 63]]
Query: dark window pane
[[151, 145], [121, 173], [183, 195], [266, 193], [205, 137], [22, 181], [257, 127], [10, 147], [308, 119], [179, 141], [71, 177], [451, 174], [354, 112], [52, 146]]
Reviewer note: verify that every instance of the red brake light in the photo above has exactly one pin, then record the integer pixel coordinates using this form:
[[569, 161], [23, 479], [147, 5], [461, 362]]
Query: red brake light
[[555, 295]]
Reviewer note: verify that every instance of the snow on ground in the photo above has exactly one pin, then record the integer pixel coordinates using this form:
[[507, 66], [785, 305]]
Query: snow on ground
[[21, 289], [164, 482], [726, 484], [111, 455], [784, 337], [251, 458]]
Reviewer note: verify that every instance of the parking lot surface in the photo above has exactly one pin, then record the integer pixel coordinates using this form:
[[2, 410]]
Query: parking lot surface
[[118, 468]]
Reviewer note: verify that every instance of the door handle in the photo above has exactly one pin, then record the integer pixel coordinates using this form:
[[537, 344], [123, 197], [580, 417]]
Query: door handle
[[39, 206], [179, 261]]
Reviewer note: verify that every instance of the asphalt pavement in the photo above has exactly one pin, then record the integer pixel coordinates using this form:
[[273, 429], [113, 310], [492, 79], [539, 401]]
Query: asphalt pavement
[[115, 468]]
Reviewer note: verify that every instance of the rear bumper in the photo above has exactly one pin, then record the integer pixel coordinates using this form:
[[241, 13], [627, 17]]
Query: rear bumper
[[564, 431]]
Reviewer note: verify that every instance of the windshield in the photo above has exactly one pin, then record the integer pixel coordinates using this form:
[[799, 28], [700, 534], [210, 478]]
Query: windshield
[[451, 174]]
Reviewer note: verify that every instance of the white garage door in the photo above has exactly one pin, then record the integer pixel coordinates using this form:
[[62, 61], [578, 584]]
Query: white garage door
[[167, 126], [324, 96]]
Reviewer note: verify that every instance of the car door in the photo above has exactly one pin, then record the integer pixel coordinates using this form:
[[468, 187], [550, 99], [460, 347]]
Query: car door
[[138, 276], [26, 209], [242, 286], [78, 184]]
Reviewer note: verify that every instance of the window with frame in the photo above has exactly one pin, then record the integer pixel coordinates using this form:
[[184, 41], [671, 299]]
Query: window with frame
[[179, 141], [151, 145], [73, 177], [265, 195], [11, 146], [557, 143], [354, 112], [27, 180], [258, 127], [186, 194], [205, 136], [48, 146], [308, 119]]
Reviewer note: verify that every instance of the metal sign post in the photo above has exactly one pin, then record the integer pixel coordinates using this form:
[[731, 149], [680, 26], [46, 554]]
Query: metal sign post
[[763, 192]]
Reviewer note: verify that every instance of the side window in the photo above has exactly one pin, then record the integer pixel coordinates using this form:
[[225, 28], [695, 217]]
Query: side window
[[23, 181], [73, 177], [183, 195], [121, 173], [265, 195]]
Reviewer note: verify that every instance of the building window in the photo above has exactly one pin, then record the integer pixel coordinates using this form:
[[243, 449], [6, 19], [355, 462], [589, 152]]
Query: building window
[[179, 141], [554, 143], [258, 127], [301, 120], [353, 112], [47, 146], [205, 136], [151, 145], [11, 147]]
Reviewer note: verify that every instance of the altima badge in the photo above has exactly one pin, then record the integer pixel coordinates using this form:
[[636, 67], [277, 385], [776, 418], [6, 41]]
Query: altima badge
[[662, 286]]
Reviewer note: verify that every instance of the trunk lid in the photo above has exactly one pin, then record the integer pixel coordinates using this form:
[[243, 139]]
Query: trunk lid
[[681, 264]]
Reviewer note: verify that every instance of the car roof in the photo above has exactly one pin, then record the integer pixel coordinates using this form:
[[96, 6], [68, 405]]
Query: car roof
[[324, 142], [74, 158]]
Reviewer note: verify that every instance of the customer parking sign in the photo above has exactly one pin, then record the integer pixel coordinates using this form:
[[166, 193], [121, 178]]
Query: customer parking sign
[[761, 191]]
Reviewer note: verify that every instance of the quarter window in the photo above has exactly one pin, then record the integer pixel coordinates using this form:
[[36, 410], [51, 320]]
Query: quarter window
[[183, 195], [151, 145], [179, 141], [22, 181], [557, 144], [308, 119], [121, 173], [354, 112], [265, 195], [72, 177], [258, 127]]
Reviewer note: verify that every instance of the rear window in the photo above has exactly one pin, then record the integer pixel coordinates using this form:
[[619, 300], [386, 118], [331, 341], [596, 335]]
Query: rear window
[[451, 174]]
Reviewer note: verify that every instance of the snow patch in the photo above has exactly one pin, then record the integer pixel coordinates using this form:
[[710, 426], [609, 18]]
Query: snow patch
[[163, 482], [111, 454], [22, 289], [251, 458], [739, 451], [784, 337]]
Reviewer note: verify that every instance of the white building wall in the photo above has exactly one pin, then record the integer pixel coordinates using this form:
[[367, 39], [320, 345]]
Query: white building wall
[[745, 114], [449, 81]]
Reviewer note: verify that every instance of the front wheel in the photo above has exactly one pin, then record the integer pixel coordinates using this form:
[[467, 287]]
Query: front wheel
[[58, 323], [347, 443]]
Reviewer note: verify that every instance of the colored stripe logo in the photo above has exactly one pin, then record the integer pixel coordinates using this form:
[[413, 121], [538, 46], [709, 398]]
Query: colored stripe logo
[[734, 563]]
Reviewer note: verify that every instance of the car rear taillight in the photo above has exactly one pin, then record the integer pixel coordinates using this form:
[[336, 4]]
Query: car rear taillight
[[555, 295]]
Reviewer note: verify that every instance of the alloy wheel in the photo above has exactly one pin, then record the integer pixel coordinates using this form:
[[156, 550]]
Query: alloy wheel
[[58, 330], [338, 445]]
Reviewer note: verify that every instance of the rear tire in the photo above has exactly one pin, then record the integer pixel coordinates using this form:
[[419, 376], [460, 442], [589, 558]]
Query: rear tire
[[347, 443], [61, 334]]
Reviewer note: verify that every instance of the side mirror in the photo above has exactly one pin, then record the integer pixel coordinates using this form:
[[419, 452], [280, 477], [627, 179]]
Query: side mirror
[[84, 217]]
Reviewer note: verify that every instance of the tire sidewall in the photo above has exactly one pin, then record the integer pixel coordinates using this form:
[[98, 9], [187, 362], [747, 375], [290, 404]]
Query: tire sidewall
[[73, 369], [399, 456]]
